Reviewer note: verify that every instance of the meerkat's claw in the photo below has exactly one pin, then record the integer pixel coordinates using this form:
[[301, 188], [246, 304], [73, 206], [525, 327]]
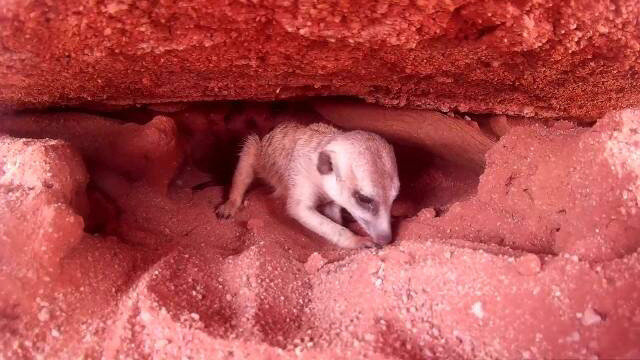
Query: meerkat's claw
[[226, 210], [359, 242]]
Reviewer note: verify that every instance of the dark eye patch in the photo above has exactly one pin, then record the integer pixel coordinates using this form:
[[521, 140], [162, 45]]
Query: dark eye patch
[[365, 202], [362, 198]]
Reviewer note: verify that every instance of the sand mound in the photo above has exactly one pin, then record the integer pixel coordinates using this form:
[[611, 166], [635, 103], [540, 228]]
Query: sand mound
[[536, 258]]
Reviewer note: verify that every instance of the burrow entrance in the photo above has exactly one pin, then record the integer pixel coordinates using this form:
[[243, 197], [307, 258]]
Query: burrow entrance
[[180, 147]]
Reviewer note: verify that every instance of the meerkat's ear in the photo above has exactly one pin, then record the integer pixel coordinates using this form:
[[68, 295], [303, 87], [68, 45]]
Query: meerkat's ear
[[324, 166]]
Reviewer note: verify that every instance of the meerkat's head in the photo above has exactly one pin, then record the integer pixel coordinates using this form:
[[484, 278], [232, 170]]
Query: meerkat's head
[[359, 173]]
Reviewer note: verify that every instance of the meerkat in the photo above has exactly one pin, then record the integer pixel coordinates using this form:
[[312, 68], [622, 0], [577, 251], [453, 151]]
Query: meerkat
[[319, 166]]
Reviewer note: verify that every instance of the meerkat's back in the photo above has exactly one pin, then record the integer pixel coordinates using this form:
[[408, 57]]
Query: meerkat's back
[[285, 145]]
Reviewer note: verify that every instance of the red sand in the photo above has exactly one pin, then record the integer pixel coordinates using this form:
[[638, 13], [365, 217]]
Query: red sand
[[541, 262]]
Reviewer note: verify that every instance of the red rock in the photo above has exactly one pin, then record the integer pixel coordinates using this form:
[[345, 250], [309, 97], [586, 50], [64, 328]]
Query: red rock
[[499, 124], [528, 264], [170, 107], [255, 224], [42, 186], [448, 137], [553, 58], [314, 263], [590, 317], [403, 209], [427, 213], [149, 152]]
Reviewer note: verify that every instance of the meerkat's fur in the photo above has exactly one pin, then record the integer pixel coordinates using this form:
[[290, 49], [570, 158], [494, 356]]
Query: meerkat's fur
[[320, 166]]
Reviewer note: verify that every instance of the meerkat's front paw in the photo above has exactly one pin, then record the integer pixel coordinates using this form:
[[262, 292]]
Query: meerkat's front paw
[[227, 210], [354, 241]]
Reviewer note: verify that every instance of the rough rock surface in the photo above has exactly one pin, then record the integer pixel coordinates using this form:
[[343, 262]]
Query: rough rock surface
[[540, 192], [532, 57], [163, 278]]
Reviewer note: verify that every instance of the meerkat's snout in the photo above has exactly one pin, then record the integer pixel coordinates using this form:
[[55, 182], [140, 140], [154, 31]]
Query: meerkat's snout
[[381, 233], [377, 226]]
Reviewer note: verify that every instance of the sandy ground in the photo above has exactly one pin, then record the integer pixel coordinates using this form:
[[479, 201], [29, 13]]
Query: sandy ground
[[106, 254]]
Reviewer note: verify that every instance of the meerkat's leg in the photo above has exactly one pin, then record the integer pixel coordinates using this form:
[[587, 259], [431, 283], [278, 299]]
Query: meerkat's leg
[[333, 211], [301, 206], [242, 177]]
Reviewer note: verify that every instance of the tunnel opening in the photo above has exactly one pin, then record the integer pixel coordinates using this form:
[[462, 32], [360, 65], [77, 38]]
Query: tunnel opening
[[209, 136], [178, 148]]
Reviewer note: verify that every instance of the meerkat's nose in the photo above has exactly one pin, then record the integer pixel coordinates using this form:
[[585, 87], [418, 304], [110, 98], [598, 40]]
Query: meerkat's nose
[[382, 238], [381, 231]]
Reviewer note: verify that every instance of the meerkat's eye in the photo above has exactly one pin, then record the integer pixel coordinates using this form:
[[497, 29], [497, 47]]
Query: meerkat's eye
[[366, 202], [362, 200]]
